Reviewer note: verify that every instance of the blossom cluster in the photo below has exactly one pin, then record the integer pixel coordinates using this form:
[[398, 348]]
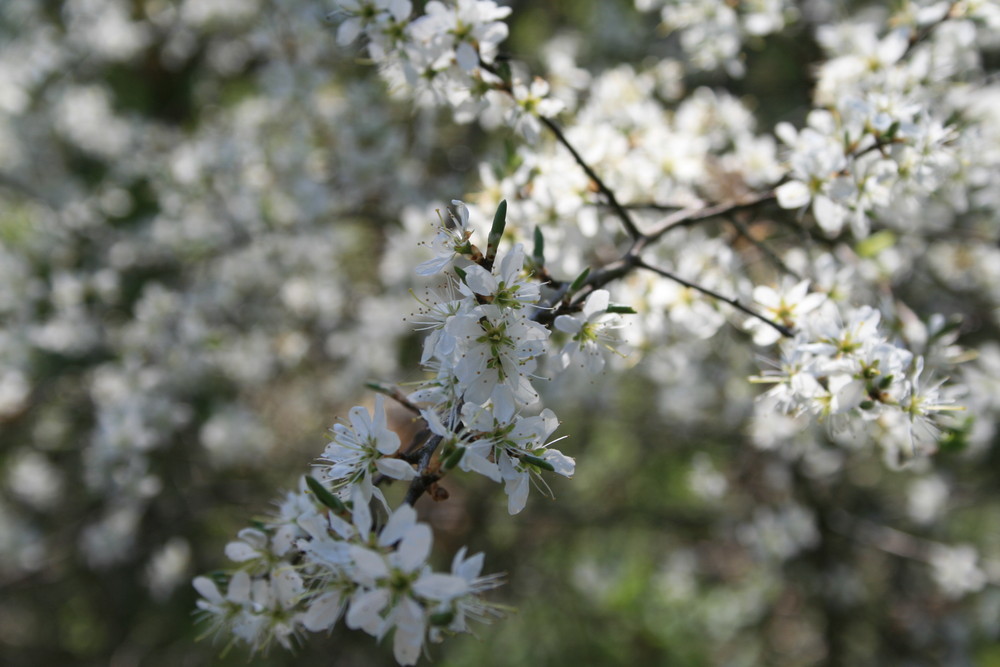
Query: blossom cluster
[[312, 563], [208, 223], [163, 263], [447, 56], [843, 368], [482, 346], [712, 32], [894, 131]]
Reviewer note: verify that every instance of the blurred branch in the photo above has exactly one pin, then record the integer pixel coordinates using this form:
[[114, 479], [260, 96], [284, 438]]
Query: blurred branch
[[735, 303], [619, 210]]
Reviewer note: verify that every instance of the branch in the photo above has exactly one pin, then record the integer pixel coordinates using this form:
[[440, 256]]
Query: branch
[[546, 311], [419, 485], [783, 330], [690, 216], [619, 210], [883, 538], [743, 230], [395, 394]]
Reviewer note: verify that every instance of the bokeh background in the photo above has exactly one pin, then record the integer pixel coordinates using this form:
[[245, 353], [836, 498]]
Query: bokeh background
[[200, 206]]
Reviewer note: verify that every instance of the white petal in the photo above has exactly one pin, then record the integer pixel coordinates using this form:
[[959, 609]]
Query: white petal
[[462, 210], [287, 586], [510, 265], [415, 547], [207, 589], [564, 465], [476, 462], [348, 31], [241, 552], [793, 194], [360, 420], [597, 303], [396, 468], [239, 588], [254, 537], [400, 9], [400, 521], [786, 132], [406, 645], [892, 48], [568, 324], [365, 609], [767, 297], [433, 266], [467, 57], [437, 586], [369, 564], [469, 568], [480, 280], [387, 441], [517, 493], [829, 215], [361, 514], [323, 612]]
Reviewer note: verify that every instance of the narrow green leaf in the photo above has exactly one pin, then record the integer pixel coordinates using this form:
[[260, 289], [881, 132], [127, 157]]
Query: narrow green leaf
[[539, 251], [875, 244], [503, 70], [324, 496], [537, 462], [442, 618], [947, 328], [453, 457], [620, 308], [496, 231], [890, 134], [461, 273], [580, 280]]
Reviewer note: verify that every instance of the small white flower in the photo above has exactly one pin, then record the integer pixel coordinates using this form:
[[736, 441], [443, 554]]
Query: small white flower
[[450, 241], [362, 449], [590, 331]]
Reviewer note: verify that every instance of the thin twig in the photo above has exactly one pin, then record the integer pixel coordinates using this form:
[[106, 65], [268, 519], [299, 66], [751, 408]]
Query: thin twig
[[419, 485], [690, 216], [883, 538], [395, 394], [744, 231], [619, 210], [783, 330]]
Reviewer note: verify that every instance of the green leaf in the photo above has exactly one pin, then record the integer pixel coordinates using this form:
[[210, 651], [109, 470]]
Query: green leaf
[[890, 134], [496, 231], [453, 457], [442, 618], [948, 327], [537, 462], [502, 68], [956, 439], [620, 308], [580, 280], [461, 273], [539, 251], [875, 244], [324, 496]]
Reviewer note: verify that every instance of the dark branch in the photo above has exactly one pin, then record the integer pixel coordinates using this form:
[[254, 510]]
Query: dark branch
[[619, 210], [783, 330], [743, 230], [690, 216], [395, 394], [419, 485]]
